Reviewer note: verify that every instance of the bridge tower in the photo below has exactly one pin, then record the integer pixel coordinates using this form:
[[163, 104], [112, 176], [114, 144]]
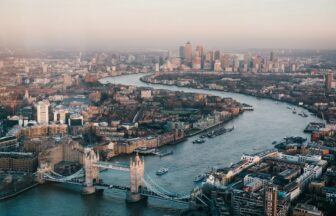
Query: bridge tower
[[43, 168], [91, 171], [137, 171]]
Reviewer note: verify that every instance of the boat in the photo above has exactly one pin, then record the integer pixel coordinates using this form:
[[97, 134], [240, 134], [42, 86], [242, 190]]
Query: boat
[[230, 129], [162, 154], [210, 134], [294, 112], [145, 151], [202, 136], [162, 171], [274, 142], [303, 114], [200, 178], [198, 141]]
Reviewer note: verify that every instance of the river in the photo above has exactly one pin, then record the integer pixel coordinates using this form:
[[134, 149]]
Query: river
[[254, 131]]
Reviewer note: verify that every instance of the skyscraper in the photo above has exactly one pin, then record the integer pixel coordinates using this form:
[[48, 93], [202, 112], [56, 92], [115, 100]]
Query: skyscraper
[[209, 56], [217, 55], [272, 56], [181, 53], [199, 50], [42, 109], [188, 53]]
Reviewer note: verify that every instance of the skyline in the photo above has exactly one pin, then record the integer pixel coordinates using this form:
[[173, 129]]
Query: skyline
[[132, 25]]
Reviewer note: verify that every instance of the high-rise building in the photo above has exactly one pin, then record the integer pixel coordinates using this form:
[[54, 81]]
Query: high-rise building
[[188, 53], [199, 50], [217, 55], [329, 80], [270, 199], [181, 52], [272, 58], [217, 66], [42, 108], [197, 63], [209, 56]]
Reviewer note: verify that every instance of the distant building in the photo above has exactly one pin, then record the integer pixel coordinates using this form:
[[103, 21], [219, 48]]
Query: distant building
[[157, 67], [199, 51], [75, 120], [42, 108], [67, 81], [209, 56], [60, 115], [45, 68], [329, 78], [272, 57], [188, 53], [218, 66], [146, 93], [217, 55], [181, 52], [197, 63]]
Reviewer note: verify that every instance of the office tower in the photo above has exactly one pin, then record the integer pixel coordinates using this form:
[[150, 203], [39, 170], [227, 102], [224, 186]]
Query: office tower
[[272, 56], [188, 53], [270, 199], [181, 52], [209, 56], [42, 112], [218, 66], [197, 63], [199, 51], [217, 55], [329, 78]]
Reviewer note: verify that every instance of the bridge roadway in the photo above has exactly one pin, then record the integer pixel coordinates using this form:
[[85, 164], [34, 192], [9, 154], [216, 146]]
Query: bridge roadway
[[144, 191]]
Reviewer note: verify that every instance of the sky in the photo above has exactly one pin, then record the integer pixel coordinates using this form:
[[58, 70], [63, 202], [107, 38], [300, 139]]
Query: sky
[[166, 24]]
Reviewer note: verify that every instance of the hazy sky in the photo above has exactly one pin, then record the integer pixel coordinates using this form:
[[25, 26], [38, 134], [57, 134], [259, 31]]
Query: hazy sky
[[168, 23]]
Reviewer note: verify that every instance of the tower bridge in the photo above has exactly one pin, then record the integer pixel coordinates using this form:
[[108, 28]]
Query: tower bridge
[[141, 185]]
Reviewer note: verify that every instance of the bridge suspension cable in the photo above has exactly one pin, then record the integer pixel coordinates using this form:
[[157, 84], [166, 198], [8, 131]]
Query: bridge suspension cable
[[153, 186]]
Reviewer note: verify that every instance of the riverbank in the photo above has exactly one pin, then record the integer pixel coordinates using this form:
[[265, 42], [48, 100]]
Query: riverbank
[[145, 79], [213, 126]]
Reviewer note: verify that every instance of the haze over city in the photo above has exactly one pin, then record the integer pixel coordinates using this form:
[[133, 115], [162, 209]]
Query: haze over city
[[162, 24]]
